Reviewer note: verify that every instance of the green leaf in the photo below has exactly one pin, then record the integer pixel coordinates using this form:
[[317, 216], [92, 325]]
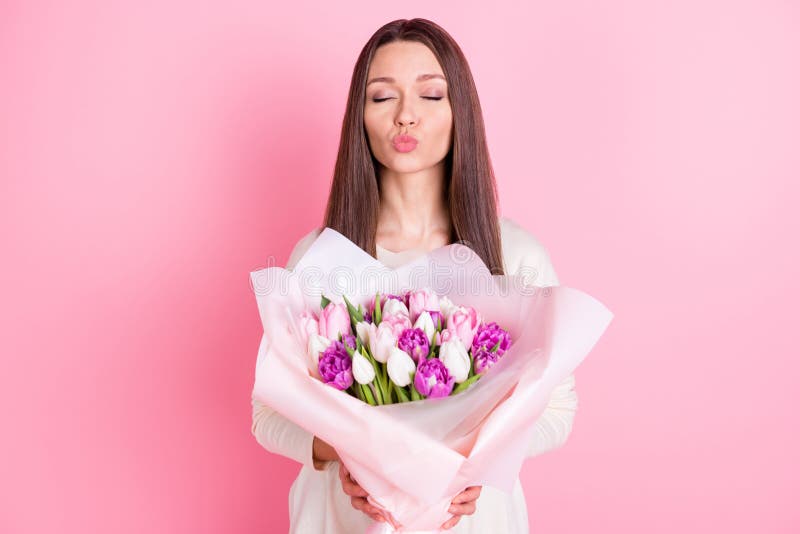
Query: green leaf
[[324, 302], [465, 384], [376, 315], [415, 395], [355, 314]]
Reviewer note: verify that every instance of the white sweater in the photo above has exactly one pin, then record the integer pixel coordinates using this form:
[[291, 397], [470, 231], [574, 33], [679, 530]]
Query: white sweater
[[317, 504]]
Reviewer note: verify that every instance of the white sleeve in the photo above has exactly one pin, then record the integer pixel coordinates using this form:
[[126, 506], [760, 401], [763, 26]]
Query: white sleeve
[[555, 424], [272, 430]]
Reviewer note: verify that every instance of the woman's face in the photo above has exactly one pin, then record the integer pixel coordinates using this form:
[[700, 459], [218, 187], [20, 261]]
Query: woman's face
[[407, 94]]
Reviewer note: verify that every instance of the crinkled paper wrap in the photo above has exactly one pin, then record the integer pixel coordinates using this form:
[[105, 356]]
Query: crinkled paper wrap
[[413, 458]]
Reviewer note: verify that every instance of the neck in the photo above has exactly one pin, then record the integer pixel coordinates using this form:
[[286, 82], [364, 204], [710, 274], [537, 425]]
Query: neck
[[412, 205]]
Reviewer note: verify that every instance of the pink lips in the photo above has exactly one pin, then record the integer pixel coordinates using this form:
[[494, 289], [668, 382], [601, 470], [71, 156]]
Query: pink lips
[[404, 143]]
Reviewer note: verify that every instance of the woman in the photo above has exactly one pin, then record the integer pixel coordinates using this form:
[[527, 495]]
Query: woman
[[413, 174]]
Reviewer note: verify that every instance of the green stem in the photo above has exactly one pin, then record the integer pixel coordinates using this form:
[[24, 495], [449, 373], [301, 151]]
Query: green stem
[[400, 392], [368, 394]]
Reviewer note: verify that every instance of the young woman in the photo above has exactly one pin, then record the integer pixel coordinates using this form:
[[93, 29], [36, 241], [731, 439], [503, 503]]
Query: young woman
[[413, 174]]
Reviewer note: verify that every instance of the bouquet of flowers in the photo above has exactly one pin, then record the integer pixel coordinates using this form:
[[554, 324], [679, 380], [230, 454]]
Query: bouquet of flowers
[[406, 348], [439, 399]]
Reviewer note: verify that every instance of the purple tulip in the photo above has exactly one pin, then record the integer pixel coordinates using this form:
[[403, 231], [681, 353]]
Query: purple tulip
[[336, 367], [433, 379], [414, 342], [350, 339], [483, 359], [488, 335], [438, 319]]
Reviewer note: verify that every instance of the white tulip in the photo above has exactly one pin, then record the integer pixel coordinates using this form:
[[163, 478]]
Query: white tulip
[[456, 358], [400, 367], [447, 307], [363, 371], [363, 330], [317, 344], [394, 307], [425, 323]]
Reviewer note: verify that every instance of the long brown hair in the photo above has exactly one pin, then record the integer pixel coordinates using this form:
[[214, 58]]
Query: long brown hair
[[470, 187]]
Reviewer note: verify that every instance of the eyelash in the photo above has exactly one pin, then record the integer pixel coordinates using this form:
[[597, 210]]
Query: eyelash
[[379, 100]]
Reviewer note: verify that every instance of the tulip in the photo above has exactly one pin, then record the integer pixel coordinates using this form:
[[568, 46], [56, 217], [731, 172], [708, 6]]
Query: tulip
[[421, 300], [444, 336], [437, 318], [433, 379], [484, 360], [363, 371], [415, 343], [335, 366], [398, 323], [350, 341], [455, 357], [464, 321], [308, 325], [381, 341], [425, 323], [363, 330], [489, 336], [317, 344], [447, 307], [393, 307], [334, 320], [400, 367]]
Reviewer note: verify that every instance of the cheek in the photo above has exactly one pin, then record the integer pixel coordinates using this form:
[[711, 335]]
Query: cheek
[[444, 125], [373, 123]]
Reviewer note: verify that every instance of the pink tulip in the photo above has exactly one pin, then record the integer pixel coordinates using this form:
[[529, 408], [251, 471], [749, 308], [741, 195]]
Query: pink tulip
[[421, 300], [464, 322], [308, 325], [381, 341], [334, 320], [444, 336], [398, 322]]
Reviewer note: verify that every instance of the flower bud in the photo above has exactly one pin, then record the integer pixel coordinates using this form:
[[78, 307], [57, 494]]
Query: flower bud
[[394, 307], [381, 341], [363, 371], [425, 323], [400, 367], [455, 357], [316, 344]]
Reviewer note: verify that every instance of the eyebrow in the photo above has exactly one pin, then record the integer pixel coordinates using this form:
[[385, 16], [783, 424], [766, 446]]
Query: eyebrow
[[420, 78]]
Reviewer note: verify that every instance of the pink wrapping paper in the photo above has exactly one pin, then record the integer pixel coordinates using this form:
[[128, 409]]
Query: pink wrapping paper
[[413, 458]]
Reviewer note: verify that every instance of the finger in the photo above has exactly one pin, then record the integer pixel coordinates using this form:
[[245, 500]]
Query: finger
[[450, 523], [469, 494], [462, 509], [350, 488], [354, 489], [349, 485], [361, 504]]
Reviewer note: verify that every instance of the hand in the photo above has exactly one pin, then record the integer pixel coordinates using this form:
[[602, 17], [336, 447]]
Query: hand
[[322, 452], [463, 504], [358, 496]]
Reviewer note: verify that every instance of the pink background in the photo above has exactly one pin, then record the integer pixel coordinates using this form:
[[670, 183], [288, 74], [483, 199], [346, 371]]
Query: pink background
[[152, 155]]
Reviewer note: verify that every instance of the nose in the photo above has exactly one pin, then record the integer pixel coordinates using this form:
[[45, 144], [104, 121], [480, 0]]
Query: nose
[[406, 115]]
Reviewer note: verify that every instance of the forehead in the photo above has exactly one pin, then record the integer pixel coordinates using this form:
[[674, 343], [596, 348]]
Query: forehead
[[403, 60]]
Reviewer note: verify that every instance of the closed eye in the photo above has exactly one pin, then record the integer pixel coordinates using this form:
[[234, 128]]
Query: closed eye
[[425, 97]]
